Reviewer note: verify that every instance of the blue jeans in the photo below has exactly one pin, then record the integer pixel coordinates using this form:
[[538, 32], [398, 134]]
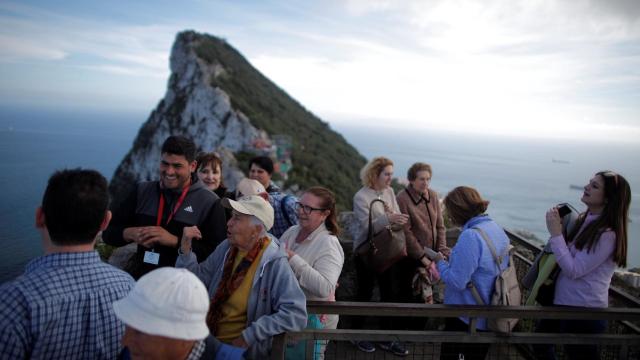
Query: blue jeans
[[586, 352]]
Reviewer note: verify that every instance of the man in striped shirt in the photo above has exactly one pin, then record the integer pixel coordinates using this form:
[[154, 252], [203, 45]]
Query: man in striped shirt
[[60, 308]]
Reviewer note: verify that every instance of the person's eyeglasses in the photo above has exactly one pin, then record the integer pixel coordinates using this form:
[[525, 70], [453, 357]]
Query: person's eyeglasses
[[306, 208]]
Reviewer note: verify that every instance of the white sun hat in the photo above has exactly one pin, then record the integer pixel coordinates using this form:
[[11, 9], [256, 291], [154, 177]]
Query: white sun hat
[[248, 186], [252, 205], [167, 302]]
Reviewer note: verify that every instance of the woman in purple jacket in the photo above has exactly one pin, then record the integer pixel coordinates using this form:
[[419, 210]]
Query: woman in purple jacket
[[587, 258]]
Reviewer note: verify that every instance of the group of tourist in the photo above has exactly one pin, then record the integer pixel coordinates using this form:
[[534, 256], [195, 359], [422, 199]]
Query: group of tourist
[[586, 256], [220, 273]]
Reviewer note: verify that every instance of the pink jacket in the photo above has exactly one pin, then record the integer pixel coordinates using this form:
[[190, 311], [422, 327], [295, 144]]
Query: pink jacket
[[585, 275]]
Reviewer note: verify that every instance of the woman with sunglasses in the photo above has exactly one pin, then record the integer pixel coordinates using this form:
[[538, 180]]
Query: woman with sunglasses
[[587, 258], [315, 254]]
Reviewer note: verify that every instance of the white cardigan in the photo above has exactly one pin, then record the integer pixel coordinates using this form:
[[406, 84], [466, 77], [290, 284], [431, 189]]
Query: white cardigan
[[317, 262]]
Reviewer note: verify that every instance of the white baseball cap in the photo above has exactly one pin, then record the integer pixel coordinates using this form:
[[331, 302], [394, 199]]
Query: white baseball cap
[[248, 187], [167, 302], [252, 205]]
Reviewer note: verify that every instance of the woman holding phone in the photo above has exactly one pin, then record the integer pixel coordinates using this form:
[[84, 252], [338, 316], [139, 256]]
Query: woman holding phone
[[587, 258]]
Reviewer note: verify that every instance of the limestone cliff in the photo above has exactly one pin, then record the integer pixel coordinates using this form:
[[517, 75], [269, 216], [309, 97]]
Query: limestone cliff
[[218, 99]]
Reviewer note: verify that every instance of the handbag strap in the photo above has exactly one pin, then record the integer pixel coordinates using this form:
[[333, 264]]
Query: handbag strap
[[475, 293], [370, 231], [434, 235], [496, 259], [494, 253]]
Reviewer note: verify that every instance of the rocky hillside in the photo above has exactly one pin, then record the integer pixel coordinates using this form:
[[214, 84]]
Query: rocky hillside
[[216, 97]]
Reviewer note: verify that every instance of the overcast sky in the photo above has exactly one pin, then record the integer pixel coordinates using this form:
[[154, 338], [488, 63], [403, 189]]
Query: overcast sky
[[547, 68]]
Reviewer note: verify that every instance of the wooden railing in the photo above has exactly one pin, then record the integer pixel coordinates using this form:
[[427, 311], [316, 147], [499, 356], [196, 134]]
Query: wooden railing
[[623, 334], [627, 344], [622, 340]]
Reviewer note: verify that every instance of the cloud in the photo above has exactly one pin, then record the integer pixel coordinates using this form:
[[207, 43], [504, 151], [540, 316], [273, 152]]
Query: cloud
[[33, 34], [18, 49], [529, 66], [624, 9], [523, 66], [362, 7], [127, 70], [469, 25]]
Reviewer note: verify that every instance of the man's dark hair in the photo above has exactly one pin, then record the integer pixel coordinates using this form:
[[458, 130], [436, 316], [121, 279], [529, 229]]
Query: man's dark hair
[[74, 205], [180, 145], [264, 162]]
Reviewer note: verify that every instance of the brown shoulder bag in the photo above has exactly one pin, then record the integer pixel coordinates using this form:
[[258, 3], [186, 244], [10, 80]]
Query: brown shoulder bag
[[383, 249]]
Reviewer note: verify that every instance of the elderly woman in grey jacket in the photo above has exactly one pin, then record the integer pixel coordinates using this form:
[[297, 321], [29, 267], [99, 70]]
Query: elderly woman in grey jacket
[[254, 294], [376, 179]]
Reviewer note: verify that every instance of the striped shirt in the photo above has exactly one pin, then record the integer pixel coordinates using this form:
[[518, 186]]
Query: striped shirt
[[60, 308]]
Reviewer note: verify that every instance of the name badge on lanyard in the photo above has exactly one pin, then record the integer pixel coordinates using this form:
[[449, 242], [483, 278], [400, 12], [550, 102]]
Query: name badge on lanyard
[[152, 257]]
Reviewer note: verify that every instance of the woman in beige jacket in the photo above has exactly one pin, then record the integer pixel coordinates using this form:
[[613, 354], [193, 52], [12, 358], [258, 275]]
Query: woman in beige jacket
[[376, 179]]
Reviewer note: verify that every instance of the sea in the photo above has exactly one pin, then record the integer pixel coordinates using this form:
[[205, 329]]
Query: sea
[[520, 177]]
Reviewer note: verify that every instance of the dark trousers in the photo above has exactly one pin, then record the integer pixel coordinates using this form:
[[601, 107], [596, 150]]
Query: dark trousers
[[453, 351], [582, 352], [406, 270], [394, 287]]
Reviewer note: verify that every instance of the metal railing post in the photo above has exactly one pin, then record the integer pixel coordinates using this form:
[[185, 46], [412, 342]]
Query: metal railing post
[[624, 352], [278, 346]]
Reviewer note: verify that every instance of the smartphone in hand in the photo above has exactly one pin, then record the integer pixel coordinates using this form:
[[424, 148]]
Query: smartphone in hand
[[563, 209]]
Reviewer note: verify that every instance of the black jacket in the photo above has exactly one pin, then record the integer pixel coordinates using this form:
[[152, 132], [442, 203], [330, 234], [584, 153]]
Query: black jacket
[[200, 207]]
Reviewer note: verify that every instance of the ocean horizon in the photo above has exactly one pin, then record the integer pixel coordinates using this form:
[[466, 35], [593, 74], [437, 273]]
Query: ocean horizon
[[521, 177]]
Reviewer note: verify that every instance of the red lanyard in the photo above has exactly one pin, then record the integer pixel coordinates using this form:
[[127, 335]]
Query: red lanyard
[[175, 209]]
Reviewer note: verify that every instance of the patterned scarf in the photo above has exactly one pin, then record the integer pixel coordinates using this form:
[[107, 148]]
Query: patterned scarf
[[230, 282]]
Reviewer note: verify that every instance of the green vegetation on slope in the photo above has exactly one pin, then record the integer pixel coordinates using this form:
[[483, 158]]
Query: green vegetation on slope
[[320, 155]]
